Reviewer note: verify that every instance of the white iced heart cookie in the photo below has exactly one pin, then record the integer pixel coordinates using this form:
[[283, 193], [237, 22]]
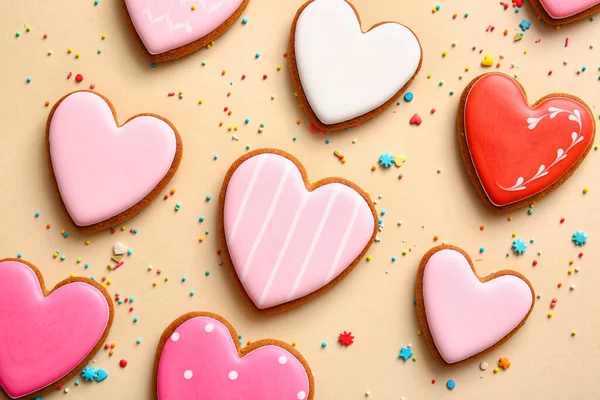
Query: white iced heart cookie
[[342, 75]]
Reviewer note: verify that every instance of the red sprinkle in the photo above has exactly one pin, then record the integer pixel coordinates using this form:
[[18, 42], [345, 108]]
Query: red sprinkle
[[243, 77], [562, 220], [123, 363], [45, 36], [113, 231], [69, 75], [549, 72], [166, 196], [218, 252], [130, 309], [400, 176], [107, 346], [432, 381], [580, 255], [534, 263], [92, 86], [78, 78], [264, 77], [171, 94], [566, 42]]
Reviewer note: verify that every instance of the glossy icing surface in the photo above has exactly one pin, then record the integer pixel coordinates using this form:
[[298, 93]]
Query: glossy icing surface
[[102, 169], [346, 73], [42, 338], [284, 241], [164, 25], [200, 361], [464, 315], [518, 151], [559, 9]]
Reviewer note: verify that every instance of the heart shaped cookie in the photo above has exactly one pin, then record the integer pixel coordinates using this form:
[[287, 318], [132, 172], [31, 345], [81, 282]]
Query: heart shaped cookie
[[287, 240], [343, 76], [170, 29], [516, 153], [199, 357], [46, 337], [106, 173], [463, 315], [559, 12]]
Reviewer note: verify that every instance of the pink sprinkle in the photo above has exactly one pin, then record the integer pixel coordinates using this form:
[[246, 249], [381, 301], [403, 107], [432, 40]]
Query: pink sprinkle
[[313, 128], [69, 75], [171, 94], [488, 28], [118, 265], [566, 42], [538, 40]]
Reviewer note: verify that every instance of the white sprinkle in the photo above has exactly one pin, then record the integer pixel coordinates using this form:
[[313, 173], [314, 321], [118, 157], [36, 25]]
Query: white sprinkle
[[187, 375], [301, 395], [282, 360], [209, 328], [233, 375], [175, 336]]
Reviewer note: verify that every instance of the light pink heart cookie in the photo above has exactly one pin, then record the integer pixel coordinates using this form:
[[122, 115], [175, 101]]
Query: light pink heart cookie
[[463, 315], [46, 337], [557, 12], [106, 173], [286, 239], [169, 29], [199, 357]]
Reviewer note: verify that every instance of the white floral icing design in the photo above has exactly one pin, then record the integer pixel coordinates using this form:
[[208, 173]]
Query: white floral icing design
[[561, 154]]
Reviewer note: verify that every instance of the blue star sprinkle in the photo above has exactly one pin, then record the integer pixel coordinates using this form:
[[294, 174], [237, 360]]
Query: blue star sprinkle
[[89, 374], [580, 238], [386, 160], [405, 353], [519, 246]]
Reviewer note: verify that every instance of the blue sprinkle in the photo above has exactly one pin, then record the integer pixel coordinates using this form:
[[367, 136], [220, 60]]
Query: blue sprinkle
[[240, 336], [77, 383], [437, 7], [120, 301], [382, 212], [138, 341], [129, 252], [247, 120], [96, 2], [183, 279], [19, 255], [135, 319], [92, 278], [215, 157], [294, 138], [207, 272], [208, 198], [324, 344], [66, 234], [131, 299], [244, 21], [87, 266], [583, 68], [327, 141], [481, 249], [201, 219], [450, 384], [257, 55], [409, 96], [37, 214], [153, 65], [101, 375], [28, 79], [393, 258], [192, 293], [135, 230]]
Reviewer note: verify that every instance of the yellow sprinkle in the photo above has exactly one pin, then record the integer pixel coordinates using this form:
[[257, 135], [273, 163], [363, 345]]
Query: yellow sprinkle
[[108, 281], [570, 271], [201, 239], [193, 7], [496, 370], [524, 51], [103, 36], [87, 242], [585, 190], [229, 128], [200, 101], [509, 218], [550, 314], [123, 227], [62, 232], [208, 46], [69, 50], [467, 68], [419, 333], [294, 343], [77, 55], [235, 128], [514, 234], [110, 353], [444, 53], [428, 76], [344, 160], [55, 255], [279, 68], [369, 258], [72, 275], [154, 283], [433, 10]]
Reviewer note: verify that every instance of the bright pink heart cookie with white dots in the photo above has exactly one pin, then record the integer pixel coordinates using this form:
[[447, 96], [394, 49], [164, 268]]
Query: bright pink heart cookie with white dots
[[199, 357], [559, 12]]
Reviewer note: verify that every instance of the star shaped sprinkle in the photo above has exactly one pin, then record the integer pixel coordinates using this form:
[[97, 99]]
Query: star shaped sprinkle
[[504, 363], [386, 160], [89, 374], [519, 246], [346, 339], [405, 353], [580, 238]]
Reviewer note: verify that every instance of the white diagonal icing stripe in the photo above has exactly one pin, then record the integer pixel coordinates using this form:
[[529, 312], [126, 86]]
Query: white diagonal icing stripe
[[314, 242], [247, 193], [347, 233], [266, 221], [283, 251]]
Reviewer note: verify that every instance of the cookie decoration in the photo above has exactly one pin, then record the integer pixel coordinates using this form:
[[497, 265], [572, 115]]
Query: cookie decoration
[[285, 239], [47, 336], [170, 29], [104, 172], [199, 357], [342, 75], [560, 12], [515, 153], [463, 315]]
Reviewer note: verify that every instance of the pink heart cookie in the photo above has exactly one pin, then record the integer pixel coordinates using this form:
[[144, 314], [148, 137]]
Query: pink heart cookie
[[286, 239], [558, 12], [106, 173], [46, 337], [463, 315], [170, 29], [199, 357]]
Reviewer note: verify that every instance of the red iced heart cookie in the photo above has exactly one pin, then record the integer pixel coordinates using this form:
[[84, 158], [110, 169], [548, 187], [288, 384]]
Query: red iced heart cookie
[[463, 315], [46, 337], [199, 357], [515, 153], [286, 239]]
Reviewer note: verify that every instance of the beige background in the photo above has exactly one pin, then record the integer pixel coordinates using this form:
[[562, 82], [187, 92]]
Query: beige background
[[375, 301]]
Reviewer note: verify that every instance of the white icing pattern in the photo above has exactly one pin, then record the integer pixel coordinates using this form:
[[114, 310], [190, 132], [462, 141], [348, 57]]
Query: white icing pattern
[[561, 154], [345, 73]]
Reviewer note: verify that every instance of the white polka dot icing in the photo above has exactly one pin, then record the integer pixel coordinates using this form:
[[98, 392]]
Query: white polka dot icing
[[209, 328], [198, 363]]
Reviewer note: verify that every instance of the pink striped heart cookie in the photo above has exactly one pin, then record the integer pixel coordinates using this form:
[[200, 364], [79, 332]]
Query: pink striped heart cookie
[[559, 12], [199, 357], [170, 29], [287, 240], [463, 315]]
